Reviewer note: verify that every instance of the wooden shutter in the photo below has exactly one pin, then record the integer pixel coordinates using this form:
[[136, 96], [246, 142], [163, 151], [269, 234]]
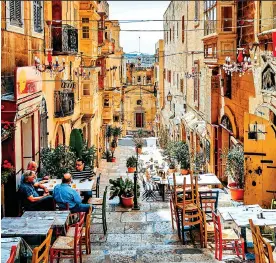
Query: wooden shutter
[[15, 13], [18, 12], [182, 85], [37, 16], [12, 10]]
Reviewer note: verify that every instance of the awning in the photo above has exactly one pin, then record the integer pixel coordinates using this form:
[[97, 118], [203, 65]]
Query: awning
[[201, 129]]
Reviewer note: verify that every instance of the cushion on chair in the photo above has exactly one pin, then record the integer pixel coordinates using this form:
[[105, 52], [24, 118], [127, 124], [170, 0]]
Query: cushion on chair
[[210, 227], [151, 187], [229, 234], [188, 206], [95, 201], [71, 231], [64, 243]]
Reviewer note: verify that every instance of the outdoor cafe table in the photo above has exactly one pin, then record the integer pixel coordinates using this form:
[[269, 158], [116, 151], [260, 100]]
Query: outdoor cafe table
[[22, 248], [240, 216], [59, 217], [84, 186], [203, 179], [25, 227]]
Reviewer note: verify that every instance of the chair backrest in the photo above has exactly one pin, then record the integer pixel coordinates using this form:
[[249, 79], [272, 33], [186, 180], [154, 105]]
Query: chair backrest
[[57, 206], [255, 241], [88, 222], [41, 253], [217, 227], [208, 196], [263, 249], [78, 234], [12, 255]]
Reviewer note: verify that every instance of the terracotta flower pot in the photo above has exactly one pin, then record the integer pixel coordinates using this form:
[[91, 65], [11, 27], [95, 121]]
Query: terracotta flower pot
[[139, 150], [236, 193], [171, 170], [127, 201], [113, 160], [131, 169], [184, 171]]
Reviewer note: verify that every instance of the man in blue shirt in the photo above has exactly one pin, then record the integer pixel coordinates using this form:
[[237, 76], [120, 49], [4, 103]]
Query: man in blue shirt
[[63, 194], [31, 199]]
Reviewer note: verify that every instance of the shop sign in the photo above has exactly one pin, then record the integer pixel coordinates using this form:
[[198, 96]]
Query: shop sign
[[28, 82]]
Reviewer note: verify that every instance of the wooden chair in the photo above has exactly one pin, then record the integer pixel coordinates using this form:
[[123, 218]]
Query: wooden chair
[[226, 239], [262, 249], [41, 253], [100, 203], [69, 247], [85, 232], [208, 201], [12, 255]]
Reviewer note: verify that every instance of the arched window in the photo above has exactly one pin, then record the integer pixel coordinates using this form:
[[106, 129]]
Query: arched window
[[225, 121]]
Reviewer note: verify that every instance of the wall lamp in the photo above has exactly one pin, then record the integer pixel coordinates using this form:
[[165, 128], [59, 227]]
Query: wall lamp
[[169, 98]]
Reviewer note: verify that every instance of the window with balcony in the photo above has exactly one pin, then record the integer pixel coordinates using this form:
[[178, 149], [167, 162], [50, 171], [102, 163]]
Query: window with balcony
[[86, 90], [227, 18], [210, 17], [196, 83], [210, 51], [37, 9], [16, 12], [228, 85], [183, 30], [85, 32]]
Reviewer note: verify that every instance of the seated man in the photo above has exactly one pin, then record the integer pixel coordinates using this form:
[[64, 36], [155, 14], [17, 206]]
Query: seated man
[[83, 172], [63, 194], [31, 199]]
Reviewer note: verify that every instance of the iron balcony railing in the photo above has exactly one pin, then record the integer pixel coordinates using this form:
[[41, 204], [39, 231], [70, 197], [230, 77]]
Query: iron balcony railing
[[64, 104], [64, 39]]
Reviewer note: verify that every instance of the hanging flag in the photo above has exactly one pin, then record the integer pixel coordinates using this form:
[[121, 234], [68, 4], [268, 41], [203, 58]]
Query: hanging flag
[[274, 43]]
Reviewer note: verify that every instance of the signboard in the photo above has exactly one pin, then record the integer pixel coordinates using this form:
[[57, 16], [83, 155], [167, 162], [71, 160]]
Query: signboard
[[27, 82]]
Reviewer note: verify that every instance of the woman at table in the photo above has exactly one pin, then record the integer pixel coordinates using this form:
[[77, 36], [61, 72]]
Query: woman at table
[[32, 201]]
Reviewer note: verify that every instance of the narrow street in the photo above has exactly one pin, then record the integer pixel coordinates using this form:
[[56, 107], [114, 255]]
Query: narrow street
[[139, 236]]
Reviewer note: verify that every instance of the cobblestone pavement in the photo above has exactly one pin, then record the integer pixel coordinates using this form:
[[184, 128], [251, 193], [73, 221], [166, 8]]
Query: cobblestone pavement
[[139, 236]]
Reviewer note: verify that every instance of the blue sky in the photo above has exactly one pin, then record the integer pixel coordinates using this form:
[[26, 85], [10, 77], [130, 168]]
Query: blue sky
[[126, 10]]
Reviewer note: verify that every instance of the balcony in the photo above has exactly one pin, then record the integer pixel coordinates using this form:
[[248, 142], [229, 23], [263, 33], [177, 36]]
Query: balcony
[[107, 113], [64, 104], [64, 39]]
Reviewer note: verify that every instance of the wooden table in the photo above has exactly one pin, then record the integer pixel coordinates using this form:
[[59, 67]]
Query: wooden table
[[21, 227], [60, 217], [85, 186], [203, 179], [21, 245]]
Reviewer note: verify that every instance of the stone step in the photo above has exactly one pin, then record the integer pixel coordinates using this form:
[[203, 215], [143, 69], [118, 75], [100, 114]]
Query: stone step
[[151, 253]]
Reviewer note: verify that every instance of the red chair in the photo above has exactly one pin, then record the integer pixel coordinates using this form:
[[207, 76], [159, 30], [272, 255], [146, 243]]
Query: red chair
[[69, 247], [226, 239], [12, 254]]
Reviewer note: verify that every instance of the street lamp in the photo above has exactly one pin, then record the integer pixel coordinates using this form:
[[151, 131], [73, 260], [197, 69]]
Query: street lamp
[[169, 98]]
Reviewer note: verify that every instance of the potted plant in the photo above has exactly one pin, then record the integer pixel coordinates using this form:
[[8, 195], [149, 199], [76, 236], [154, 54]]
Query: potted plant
[[6, 171], [124, 189], [131, 164], [117, 131], [113, 145], [107, 155], [172, 166], [138, 144], [182, 155], [108, 132], [235, 171]]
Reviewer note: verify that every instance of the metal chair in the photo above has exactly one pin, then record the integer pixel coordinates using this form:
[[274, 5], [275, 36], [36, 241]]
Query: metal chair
[[96, 188], [149, 190], [100, 203]]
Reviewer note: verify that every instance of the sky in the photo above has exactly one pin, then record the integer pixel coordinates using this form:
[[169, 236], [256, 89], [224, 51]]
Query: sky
[[134, 10]]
